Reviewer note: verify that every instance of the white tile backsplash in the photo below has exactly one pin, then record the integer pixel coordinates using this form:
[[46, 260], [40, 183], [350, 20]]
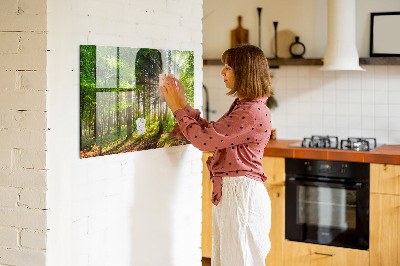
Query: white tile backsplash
[[343, 103]]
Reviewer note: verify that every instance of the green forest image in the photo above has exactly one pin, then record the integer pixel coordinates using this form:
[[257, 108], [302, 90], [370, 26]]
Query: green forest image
[[121, 108]]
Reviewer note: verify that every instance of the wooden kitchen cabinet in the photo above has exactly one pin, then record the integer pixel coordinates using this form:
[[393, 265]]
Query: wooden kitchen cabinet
[[305, 254], [206, 225], [277, 233], [385, 215], [385, 178], [274, 168]]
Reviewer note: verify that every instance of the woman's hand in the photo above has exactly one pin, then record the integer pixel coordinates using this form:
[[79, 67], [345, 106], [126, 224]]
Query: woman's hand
[[174, 94], [181, 92]]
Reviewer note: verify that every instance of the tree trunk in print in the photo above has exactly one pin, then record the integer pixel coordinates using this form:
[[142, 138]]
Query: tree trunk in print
[[148, 66], [129, 115]]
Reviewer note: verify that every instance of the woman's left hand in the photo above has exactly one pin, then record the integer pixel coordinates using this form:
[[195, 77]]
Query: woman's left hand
[[171, 96]]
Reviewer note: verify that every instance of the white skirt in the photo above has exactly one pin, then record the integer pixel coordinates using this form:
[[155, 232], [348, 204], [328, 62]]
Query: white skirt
[[241, 223]]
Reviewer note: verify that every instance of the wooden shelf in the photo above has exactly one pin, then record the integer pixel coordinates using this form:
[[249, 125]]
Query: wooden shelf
[[273, 62], [380, 61]]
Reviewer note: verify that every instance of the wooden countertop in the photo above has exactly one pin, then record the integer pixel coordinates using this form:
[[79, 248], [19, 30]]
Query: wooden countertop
[[389, 154]]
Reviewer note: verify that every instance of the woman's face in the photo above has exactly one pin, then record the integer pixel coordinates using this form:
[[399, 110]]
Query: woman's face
[[229, 76]]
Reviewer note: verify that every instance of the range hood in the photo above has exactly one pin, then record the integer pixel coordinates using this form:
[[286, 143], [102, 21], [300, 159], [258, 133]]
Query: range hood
[[341, 51]]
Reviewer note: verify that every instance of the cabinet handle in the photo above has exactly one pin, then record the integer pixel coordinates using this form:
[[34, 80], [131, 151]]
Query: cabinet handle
[[324, 254]]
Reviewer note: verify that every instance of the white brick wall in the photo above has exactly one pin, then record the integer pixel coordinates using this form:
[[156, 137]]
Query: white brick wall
[[22, 132]]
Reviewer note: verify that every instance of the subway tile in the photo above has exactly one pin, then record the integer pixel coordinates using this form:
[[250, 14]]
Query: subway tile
[[291, 71], [394, 137], [394, 97], [394, 71], [394, 83], [367, 96], [394, 110], [355, 109], [381, 110], [342, 109], [367, 110], [355, 132], [380, 71], [380, 97], [394, 123], [355, 122], [381, 123], [355, 96], [380, 84], [367, 122], [329, 109], [382, 136], [292, 82], [342, 122]]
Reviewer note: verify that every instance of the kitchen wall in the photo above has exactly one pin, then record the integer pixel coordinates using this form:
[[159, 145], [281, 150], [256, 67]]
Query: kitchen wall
[[343, 103], [140, 208]]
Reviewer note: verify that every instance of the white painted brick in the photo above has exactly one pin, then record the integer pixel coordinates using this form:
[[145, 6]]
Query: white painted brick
[[23, 100], [34, 120], [7, 81], [23, 22], [5, 158], [34, 7], [31, 80], [9, 42], [23, 178], [33, 199], [8, 197], [22, 218], [23, 139], [33, 239], [8, 6], [17, 256], [8, 237], [31, 56], [33, 159]]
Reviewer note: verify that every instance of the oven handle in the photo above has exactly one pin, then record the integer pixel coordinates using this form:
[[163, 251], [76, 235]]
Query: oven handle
[[357, 185]]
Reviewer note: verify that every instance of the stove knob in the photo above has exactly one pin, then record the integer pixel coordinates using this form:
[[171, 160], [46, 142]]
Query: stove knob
[[343, 168]]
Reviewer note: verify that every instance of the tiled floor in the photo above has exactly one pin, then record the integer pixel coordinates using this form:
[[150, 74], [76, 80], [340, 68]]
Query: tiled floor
[[206, 261]]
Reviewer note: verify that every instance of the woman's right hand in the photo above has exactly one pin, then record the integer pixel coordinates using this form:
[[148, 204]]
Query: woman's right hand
[[181, 92]]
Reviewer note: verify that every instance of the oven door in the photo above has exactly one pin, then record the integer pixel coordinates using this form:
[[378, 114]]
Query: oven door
[[327, 213]]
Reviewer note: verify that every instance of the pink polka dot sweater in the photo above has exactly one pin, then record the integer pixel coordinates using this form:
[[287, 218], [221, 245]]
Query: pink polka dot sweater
[[238, 139]]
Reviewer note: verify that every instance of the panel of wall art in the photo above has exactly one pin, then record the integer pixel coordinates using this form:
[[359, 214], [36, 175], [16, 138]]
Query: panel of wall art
[[121, 105]]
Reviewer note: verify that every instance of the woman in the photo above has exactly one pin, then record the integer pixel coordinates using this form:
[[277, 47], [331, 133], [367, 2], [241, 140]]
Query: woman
[[242, 208]]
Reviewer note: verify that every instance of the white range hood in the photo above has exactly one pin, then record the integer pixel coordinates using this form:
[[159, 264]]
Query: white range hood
[[341, 51]]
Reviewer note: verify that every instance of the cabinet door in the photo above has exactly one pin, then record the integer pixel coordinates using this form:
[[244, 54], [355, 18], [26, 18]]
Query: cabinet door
[[384, 230], [304, 254], [274, 168], [385, 178], [206, 225], [277, 233]]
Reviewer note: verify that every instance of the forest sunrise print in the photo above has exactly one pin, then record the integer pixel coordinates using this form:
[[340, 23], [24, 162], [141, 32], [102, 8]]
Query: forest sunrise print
[[121, 108]]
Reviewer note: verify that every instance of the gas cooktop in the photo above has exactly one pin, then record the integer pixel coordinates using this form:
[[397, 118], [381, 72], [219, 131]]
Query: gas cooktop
[[332, 142]]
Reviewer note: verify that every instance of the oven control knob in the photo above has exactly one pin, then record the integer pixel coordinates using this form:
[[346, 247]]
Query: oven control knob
[[343, 168], [308, 166]]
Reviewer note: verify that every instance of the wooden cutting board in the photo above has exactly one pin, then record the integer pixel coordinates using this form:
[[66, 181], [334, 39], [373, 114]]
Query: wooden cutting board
[[239, 35]]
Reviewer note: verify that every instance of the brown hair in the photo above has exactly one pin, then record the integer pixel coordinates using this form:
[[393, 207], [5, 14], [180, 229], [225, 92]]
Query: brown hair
[[250, 66]]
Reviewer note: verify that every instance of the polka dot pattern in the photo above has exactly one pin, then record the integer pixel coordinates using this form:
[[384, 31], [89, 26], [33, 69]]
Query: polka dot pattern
[[238, 139]]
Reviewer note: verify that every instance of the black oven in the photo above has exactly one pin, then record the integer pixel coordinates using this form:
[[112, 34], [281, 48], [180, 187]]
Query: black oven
[[327, 202]]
